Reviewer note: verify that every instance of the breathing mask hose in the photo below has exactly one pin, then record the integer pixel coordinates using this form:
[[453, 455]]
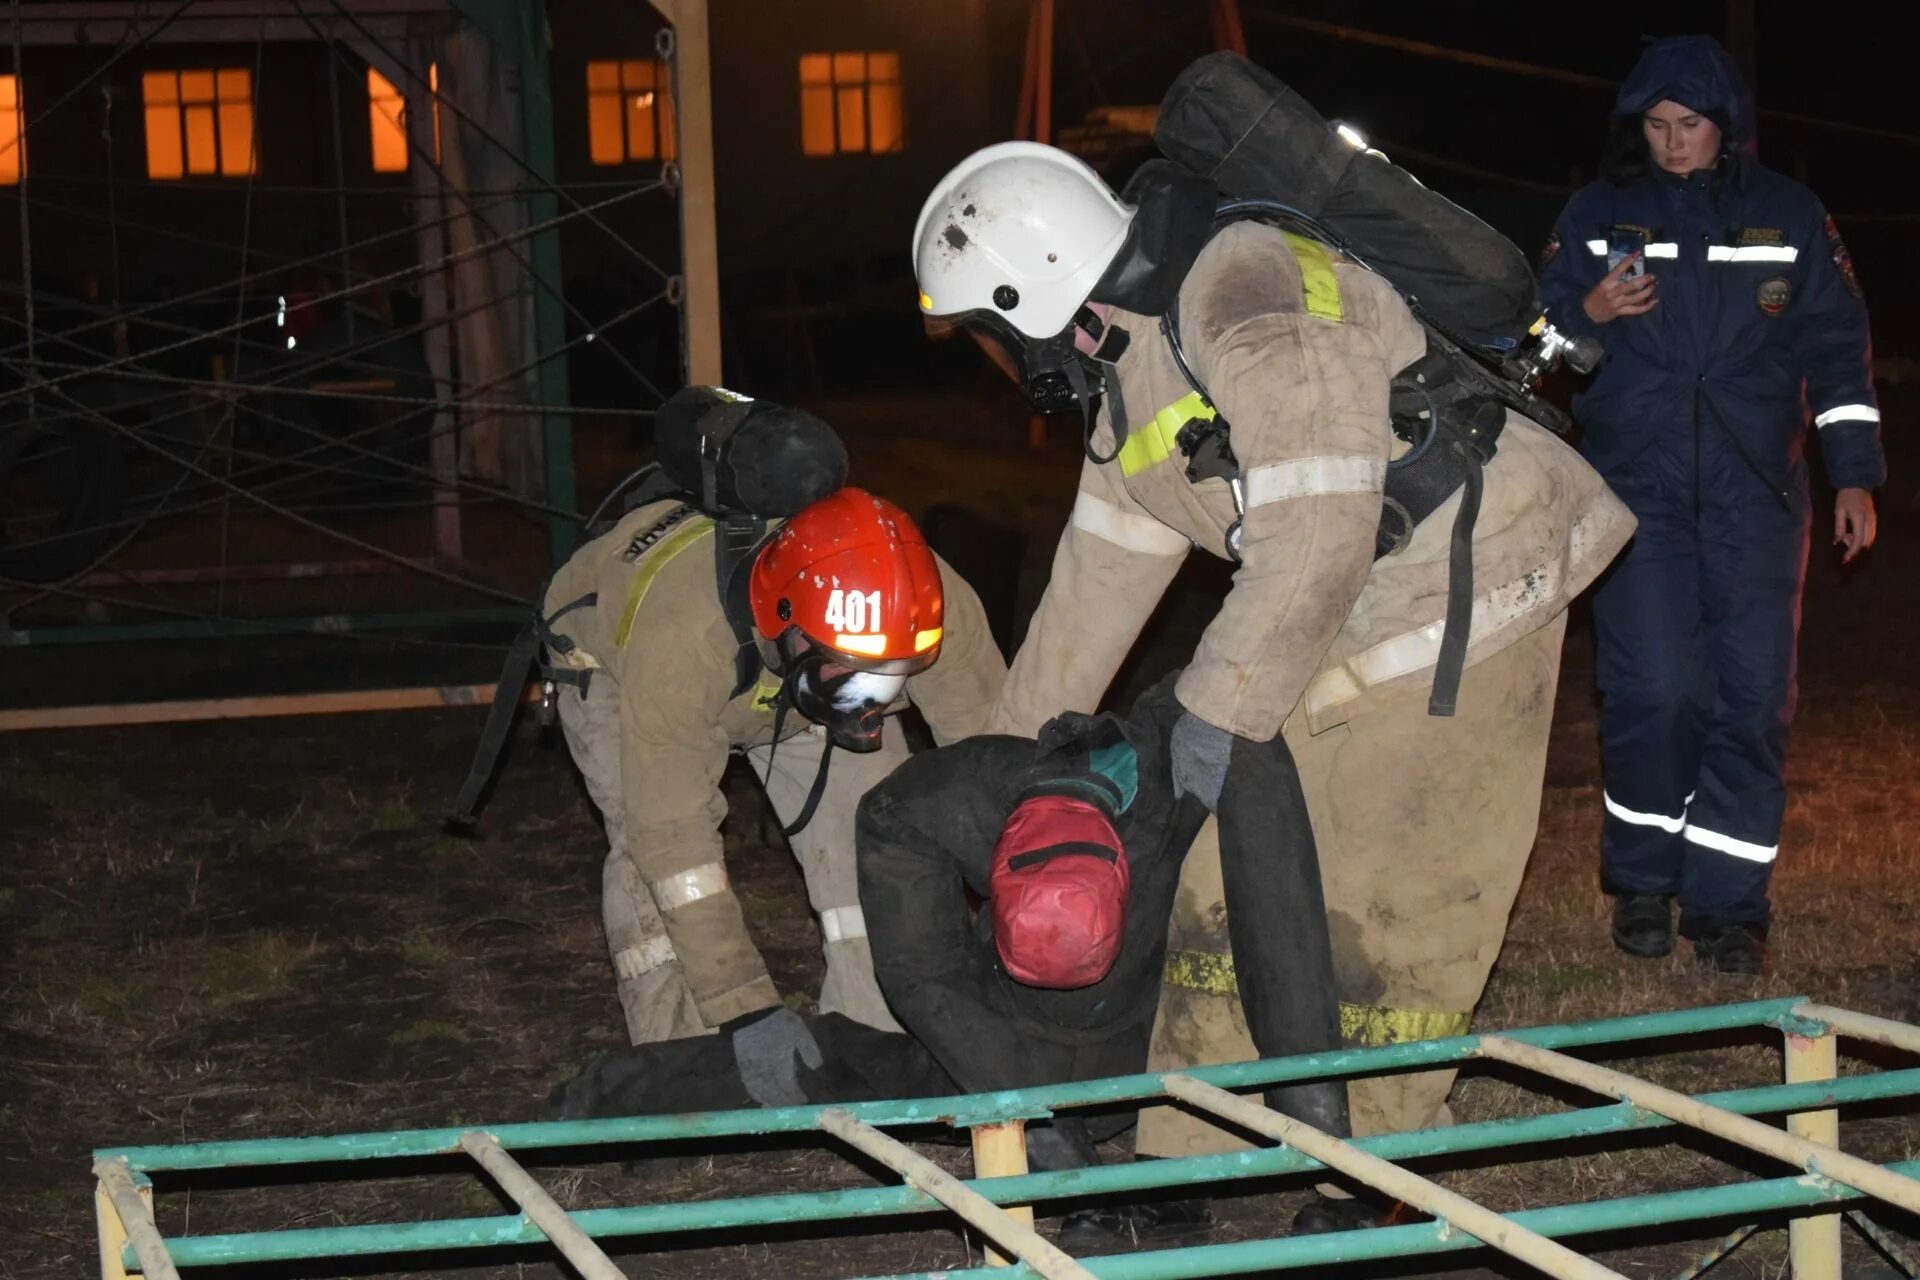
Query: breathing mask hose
[[1277, 920]]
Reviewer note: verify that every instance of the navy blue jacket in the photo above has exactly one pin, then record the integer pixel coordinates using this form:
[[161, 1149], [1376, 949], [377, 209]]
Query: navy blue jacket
[[1760, 321]]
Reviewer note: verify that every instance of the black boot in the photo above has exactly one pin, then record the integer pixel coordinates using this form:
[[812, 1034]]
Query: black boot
[[1111, 1228], [1643, 924], [1738, 948], [1324, 1214]]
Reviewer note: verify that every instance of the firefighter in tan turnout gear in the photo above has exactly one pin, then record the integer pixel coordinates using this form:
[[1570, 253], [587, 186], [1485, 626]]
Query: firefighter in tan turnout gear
[[1423, 821], [836, 616]]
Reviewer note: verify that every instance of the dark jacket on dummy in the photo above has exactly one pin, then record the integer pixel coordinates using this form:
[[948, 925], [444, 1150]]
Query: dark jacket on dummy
[[926, 837]]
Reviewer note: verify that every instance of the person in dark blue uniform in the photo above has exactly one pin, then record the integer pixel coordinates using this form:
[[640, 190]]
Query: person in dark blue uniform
[[1730, 313]]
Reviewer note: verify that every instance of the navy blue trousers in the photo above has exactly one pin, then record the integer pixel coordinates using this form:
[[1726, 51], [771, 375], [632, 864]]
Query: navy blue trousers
[[1697, 626]]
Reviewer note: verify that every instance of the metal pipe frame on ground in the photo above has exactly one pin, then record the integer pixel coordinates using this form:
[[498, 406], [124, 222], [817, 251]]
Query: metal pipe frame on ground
[[1792, 1016]]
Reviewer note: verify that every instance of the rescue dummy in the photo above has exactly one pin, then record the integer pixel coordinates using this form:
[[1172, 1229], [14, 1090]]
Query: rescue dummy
[[691, 632], [1249, 380], [1073, 843]]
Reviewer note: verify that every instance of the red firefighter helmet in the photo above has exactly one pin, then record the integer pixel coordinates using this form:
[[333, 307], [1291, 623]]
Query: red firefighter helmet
[[849, 597]]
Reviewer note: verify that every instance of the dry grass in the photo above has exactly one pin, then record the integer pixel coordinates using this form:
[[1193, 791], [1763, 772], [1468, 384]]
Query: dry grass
[[257, 929]]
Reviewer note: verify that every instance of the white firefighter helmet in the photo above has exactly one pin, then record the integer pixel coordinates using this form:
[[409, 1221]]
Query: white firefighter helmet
[[1019, 232]]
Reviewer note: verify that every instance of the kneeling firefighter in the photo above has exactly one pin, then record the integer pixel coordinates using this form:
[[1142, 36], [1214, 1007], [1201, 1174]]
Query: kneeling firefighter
[[704, 625], [1311, 365], [1074, 844]]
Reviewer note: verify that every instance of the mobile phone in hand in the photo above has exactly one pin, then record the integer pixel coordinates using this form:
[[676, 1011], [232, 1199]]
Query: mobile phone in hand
[[1624, 243]]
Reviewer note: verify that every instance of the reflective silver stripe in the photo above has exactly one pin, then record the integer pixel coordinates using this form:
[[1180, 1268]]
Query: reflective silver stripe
[[837, 924], [1672, 826], [1598, 248], [1663, 249], [1848, 413], [1418, 649], [1728, 845], [636, 962], [1313, 477], [689, 886], [1752, 253], [1126, 529]]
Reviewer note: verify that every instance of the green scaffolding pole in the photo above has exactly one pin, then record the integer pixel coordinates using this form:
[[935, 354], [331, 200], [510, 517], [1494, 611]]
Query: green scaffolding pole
[[518, 28], [826, 1206]]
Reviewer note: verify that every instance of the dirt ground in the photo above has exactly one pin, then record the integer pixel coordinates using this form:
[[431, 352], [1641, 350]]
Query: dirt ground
[[258, 928]]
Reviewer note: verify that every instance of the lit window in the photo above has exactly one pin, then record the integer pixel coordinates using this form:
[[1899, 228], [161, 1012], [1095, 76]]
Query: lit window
[[199, 122], [13, 138], [629, 111], [387, 119], [850, 102]]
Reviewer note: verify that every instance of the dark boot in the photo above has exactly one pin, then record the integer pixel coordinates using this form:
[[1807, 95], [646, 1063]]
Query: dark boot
[[1739, 948], [1325, 1214], [1163, 1223], [1643, 924]]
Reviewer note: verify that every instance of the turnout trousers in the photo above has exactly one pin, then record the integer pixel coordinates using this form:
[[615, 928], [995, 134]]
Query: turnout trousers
[[1424, 826], [654, 994], [1696, 629]]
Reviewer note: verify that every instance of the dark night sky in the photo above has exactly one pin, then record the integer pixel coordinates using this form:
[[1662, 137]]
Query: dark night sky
[[1843, 61], [1848, 62]]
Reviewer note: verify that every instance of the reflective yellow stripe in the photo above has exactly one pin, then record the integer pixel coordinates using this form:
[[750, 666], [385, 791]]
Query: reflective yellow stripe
[[1213, 975], [766, 695], [1154, 442], [1372, 1024], [1316, 273], [650, 566], [1201, 971]]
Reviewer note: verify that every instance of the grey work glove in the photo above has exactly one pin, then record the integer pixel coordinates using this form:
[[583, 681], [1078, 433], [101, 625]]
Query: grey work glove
[[1200, 755], [768, 1052]]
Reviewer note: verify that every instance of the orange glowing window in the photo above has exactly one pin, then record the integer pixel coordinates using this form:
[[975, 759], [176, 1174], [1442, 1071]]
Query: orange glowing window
[[199, 123], [629, 111], [13, 137], [387, 120], [850, 102]]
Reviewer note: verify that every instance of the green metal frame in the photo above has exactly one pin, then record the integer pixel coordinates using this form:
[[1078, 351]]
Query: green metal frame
[[1803, 1191]]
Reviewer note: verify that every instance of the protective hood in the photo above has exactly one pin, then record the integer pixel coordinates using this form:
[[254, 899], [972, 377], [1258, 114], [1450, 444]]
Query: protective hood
[[1058, 885], [1172, 223], [1695, 72]]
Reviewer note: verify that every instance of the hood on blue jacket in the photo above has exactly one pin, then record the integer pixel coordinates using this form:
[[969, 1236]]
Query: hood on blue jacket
[[1695, 72]]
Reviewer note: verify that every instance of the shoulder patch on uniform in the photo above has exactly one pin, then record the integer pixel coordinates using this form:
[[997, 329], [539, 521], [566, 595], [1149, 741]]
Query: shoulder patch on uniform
[[1842, 260], [1552, 250], [645, 540], [1762, 235], [1773, 295]]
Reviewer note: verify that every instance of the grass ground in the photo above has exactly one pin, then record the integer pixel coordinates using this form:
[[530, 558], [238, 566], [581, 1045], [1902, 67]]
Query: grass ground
[[258, 929]]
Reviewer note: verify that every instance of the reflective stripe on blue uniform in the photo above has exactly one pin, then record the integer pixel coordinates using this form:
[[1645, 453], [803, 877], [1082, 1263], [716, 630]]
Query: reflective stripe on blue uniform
[[1698, 421]]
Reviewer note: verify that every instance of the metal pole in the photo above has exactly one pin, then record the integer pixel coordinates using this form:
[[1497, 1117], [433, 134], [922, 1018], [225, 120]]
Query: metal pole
[[1451, 1207], [541, 1208], [528, 19], [202, 628], [974, 1208], [1813, 1243], [443, 457], [1000, 1151], [699, 236], [1043, 64], [1118, 1179], [991, 1108], [113, 714], [1863, 1026], [1813, 1157], [127, 1216]]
